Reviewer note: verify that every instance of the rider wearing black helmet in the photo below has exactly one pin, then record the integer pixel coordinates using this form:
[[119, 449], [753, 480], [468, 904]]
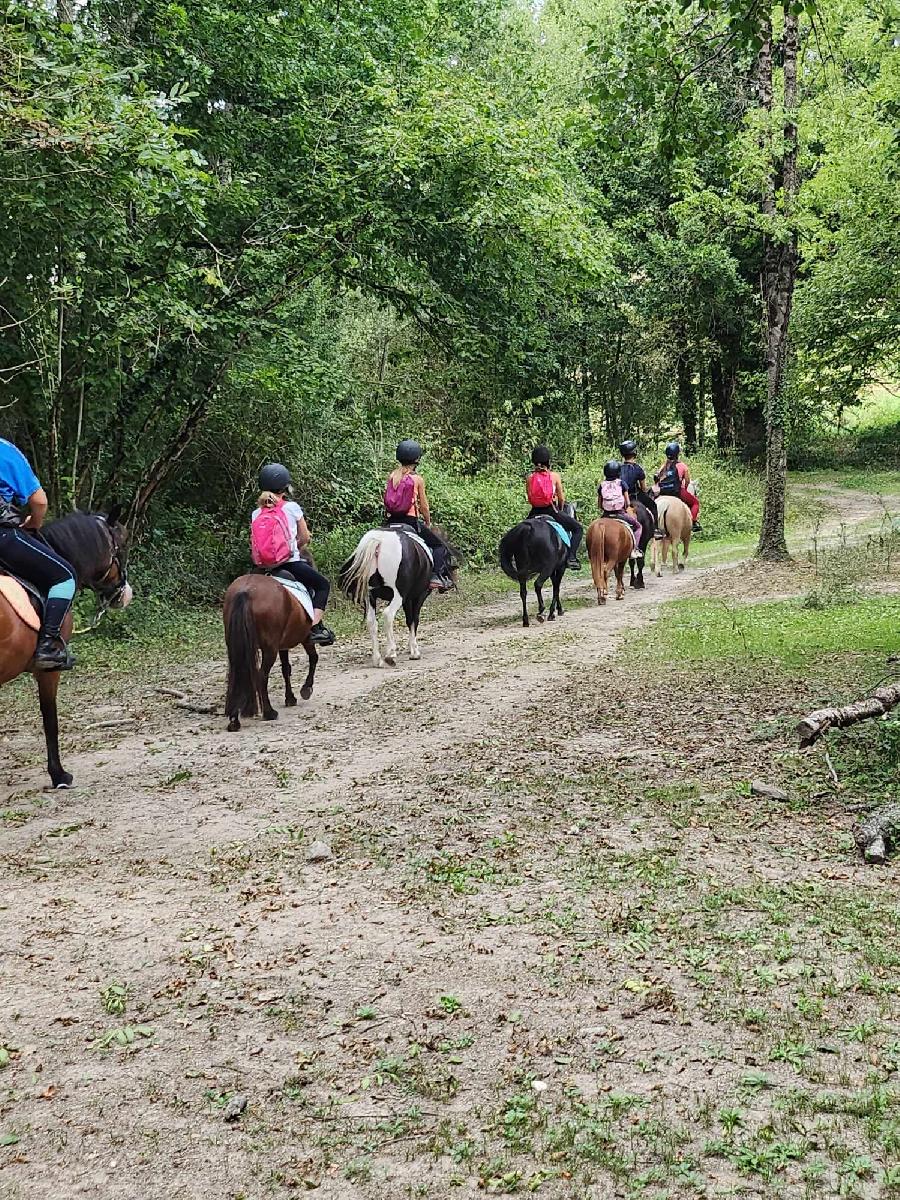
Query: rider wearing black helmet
[[406, 503], [613, 500], [673, 478], [634, 477], [544, 491], [276, 484]]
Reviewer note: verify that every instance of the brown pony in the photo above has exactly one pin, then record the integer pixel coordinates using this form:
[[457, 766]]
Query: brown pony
[[262, 622], [96, 547], [609, 543], [673, 520]]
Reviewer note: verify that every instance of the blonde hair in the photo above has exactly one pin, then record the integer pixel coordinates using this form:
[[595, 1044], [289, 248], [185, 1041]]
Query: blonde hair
[[267, 500]]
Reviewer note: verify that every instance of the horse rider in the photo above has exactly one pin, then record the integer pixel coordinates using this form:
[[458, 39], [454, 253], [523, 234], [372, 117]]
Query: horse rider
[[406, 503], [275, 479], [673, 478], [613, 499], [544, 491], [23, 506], [634, 478]]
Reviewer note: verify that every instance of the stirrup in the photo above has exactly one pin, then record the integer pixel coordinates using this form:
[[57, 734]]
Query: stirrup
[[52, 654], [572, 564], [321, 635]]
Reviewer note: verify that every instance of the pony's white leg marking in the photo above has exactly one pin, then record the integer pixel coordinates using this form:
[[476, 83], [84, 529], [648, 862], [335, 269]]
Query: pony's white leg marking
[[390, 613], [372, 623], [414, 651]]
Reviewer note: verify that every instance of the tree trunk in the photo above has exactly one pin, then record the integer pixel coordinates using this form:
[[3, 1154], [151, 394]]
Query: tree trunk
[[687, 400], [721, 388], [780, 261]]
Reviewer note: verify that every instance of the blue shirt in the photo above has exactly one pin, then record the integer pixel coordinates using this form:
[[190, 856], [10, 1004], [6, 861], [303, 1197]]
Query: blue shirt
[[17, 480], [632, 475]]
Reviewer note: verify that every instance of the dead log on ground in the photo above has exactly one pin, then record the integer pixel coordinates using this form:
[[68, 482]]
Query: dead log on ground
[[882, 700], [878, 833]]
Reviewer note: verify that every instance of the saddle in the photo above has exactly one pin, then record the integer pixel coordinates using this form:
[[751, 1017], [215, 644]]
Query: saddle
[[26, 601], [617, 516], [400, 527], [563, 534]]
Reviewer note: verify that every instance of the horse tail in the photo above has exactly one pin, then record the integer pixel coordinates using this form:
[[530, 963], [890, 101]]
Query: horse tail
[[360, 568], [514, 558], [242, 641], [597, 553]]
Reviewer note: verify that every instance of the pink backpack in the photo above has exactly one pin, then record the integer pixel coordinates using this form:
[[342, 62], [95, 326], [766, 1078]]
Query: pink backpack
[[398, 497], [270, 536], [541, 489], [612, 498]]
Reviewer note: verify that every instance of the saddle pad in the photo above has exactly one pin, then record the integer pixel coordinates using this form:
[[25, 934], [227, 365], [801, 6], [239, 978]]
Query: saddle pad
[[299, 592], [564, 536], [405, 529], [18, 600]]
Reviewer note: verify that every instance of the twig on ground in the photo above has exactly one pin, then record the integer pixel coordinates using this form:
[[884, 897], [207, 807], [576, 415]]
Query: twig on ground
[[182, 701]]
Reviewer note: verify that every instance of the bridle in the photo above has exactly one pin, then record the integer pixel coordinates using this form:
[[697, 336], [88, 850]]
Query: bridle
[[107, 596]]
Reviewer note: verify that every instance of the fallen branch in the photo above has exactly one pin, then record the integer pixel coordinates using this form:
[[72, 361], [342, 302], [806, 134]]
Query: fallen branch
[[882, 700], [182, 701]]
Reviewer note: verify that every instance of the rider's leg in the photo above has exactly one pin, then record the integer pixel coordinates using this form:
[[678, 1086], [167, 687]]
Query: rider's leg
[[440, 554], [575, 530], [692, 502], [34, 560], [319, 590], [636, 531]]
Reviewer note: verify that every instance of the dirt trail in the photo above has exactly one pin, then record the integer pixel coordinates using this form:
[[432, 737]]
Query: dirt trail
[[178, 867]]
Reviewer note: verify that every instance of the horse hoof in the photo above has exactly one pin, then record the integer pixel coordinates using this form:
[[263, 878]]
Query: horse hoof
[[63, 784], [291, 701], [234, 725], [271, 715], [415, 657], [540, 618], [305, 692], [681, 566], [390, 660], [601, 599]]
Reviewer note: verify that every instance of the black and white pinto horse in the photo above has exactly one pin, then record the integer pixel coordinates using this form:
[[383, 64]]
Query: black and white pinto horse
[[391, 565], [533, 547], [636, 565]]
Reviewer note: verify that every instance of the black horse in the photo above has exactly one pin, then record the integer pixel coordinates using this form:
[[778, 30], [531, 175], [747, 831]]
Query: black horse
[[533, 547], [648, 525]]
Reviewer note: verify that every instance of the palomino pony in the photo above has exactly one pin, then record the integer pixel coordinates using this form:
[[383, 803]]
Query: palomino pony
[[609, 543], [674, 523], [533, 547], [263, 621], [96, 547], [392, 565], [636, 565]]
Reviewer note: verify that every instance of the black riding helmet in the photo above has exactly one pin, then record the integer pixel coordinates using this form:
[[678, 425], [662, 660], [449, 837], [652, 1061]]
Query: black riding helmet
[[612, 469], [540, 456], [408, 452], [275, 477], [628, 448], [673, 450]]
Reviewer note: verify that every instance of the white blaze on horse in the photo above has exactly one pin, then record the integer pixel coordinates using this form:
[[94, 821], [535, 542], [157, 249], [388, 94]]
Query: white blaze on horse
[[394, 567], [673, 521]]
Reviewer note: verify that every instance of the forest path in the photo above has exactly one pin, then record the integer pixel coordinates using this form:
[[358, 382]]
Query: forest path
[[178, 866]]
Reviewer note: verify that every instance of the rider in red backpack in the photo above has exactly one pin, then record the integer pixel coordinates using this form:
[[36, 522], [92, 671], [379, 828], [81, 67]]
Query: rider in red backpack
[[544, 490], [278, 511], [406, 503]]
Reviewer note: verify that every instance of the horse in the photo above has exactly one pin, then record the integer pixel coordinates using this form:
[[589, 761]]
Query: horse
[[263, 621], [674, 523], [636, 565], [609, 544], [392, 565], [96, 547], [533, 547]]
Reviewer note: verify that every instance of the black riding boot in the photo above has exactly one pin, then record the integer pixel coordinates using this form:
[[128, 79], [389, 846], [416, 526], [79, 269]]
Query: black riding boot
[[321, 635], [52, 653]]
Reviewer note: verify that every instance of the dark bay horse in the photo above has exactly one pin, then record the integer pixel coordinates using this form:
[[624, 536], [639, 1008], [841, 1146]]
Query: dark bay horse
[[392, 566], [533, 547], [263, 621], [96, 547], [636, 565]]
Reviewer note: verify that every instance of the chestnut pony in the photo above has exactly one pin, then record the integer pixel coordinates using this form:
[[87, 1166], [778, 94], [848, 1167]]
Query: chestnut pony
[[96, 547], [609, 543], [262, 622]]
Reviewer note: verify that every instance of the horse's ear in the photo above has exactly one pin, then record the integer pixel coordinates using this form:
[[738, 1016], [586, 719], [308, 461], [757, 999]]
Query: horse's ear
[[115, 511]]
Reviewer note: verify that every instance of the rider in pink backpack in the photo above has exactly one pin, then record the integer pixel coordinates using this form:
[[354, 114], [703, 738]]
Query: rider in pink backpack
[[278, 534], [544, 491], [406, 503]]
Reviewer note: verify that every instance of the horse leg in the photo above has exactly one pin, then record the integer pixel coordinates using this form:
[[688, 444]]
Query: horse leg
[[674, 547], [372, 624], [289, 698], [684, 545], [538, 586], [48, 686], [268, 661], [313, 655], [390, 614], [412, 609], [556, 603], [631, 566], [620, 580], [523, 592]]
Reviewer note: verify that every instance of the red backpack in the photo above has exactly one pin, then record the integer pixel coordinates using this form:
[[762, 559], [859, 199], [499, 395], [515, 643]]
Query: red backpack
[[398, 497], [541, 489], [270, 536]]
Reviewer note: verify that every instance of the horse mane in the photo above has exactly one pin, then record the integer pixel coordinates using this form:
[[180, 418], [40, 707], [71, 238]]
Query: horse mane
[[82, 539]]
